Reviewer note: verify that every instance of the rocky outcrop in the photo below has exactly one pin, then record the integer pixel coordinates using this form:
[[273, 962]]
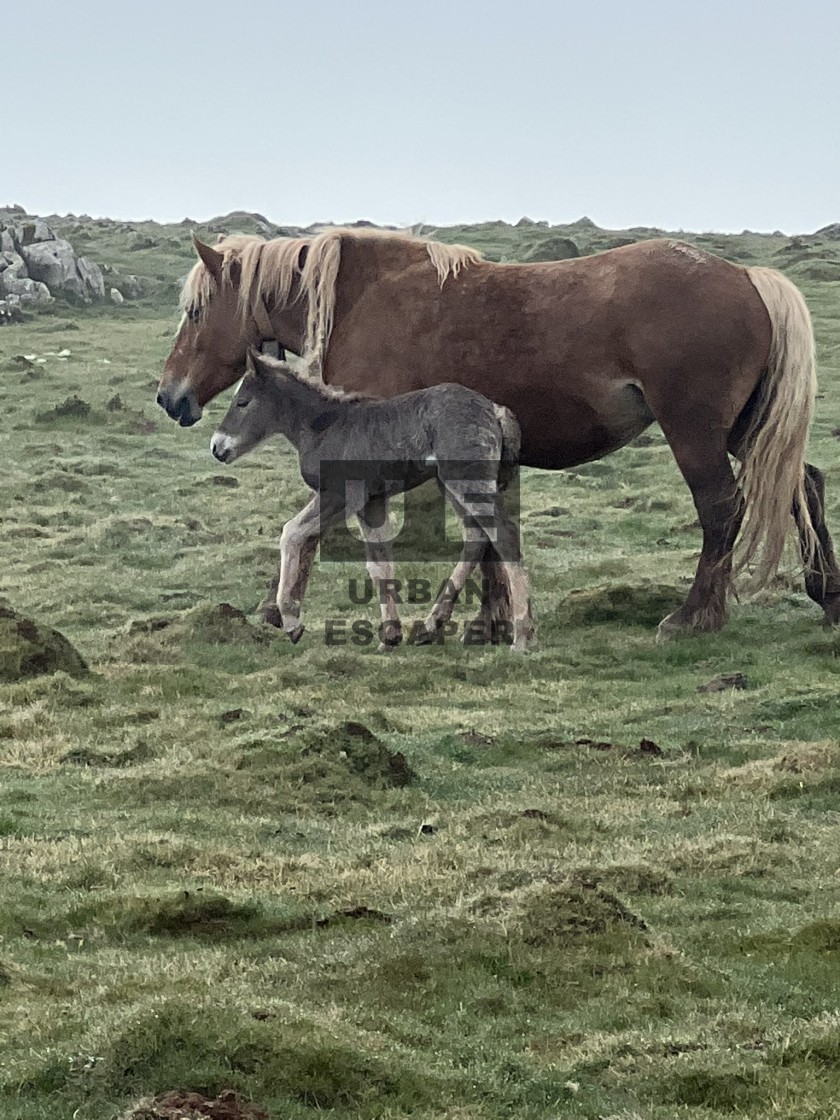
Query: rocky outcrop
[[35, 264], [552, 249], [55, 264]]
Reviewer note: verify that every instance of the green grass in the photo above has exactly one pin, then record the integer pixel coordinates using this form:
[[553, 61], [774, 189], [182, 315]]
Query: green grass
[[445, 883]]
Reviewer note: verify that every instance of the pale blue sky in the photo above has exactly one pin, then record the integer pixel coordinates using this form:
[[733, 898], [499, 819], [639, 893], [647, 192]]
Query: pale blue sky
[[720, 114]]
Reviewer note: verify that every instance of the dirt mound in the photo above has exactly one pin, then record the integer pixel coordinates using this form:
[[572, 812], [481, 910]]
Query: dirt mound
[[365, 755], [28, 649], [634, 605], [562, 915], [217, 624], [179, 1105], [328, 768]]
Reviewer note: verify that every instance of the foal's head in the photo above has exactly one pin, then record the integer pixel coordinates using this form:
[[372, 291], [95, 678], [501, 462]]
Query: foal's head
[[249, 420]]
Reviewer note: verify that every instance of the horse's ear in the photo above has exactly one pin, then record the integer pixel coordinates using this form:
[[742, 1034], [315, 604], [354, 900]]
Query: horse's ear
[[211, 258], [302, 255]]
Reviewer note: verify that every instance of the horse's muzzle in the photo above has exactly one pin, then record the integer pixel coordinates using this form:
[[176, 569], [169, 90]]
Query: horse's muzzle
[[181, 409]]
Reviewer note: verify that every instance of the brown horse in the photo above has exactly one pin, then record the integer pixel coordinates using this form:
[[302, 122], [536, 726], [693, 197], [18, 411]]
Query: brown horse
[[586, 353]]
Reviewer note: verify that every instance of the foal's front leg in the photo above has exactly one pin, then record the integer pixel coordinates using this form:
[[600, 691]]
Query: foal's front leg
[[373, 522], [298, 544]]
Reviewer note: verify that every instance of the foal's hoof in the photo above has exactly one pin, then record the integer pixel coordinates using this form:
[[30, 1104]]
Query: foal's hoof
[[271, 616], [421, 635], [476, 633], [390, 637], [296, 634]]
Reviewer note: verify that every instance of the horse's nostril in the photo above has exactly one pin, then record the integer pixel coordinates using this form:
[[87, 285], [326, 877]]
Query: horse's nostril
[[161, 400]]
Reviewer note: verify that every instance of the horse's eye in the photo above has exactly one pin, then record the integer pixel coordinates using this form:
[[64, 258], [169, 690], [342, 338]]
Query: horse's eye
[[242, 403], [194, 314]]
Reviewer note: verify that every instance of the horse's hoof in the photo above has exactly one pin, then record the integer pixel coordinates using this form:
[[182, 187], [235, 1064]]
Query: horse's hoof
[[670, 627], [831, 608], [296, 634]]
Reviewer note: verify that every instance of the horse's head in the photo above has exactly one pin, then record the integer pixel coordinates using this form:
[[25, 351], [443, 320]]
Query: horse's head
[[224, 312], [209, 351]]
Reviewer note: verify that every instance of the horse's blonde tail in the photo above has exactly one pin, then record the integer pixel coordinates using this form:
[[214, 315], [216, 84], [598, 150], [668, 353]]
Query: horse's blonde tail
[[511, 445], [772, 475]]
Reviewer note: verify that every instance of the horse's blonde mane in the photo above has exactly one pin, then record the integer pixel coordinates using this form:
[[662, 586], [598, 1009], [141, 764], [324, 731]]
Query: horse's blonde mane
[[269, 269]]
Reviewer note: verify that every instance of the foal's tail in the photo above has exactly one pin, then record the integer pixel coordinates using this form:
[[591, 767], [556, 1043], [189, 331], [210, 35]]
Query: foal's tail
[[511, 444], [772, 475]]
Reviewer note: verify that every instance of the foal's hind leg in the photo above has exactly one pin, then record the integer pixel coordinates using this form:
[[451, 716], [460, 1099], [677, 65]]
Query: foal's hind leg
[[373, 521], [471, 555], [822, 577], [710, 477], [492, 622]]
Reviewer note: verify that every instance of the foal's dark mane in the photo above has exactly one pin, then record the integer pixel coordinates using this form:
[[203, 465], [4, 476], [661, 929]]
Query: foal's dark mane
[[275, 370]]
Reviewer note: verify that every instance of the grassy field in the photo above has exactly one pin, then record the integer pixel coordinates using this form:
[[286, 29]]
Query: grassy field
[[447, 883]]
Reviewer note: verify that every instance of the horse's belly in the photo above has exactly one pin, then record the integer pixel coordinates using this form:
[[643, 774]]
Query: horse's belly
[[565, 432]]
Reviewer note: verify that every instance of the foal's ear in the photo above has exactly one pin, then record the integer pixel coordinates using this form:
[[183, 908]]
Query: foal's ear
[[211, 258], [254, 363]]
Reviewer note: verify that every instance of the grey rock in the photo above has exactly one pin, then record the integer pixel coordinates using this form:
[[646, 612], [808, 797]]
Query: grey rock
[[55, 264], [91, 276], [12, 264], [116, 296], [42, 231], [28, 291], [131, 287]]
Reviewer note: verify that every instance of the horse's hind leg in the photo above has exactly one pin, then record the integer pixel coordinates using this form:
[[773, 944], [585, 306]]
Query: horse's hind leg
[[373, 522], [513, 569], [822, 577], [710, 477]]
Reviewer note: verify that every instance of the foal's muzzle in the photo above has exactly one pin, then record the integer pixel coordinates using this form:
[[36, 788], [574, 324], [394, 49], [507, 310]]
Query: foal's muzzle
[[184, 408], [222, 447]]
